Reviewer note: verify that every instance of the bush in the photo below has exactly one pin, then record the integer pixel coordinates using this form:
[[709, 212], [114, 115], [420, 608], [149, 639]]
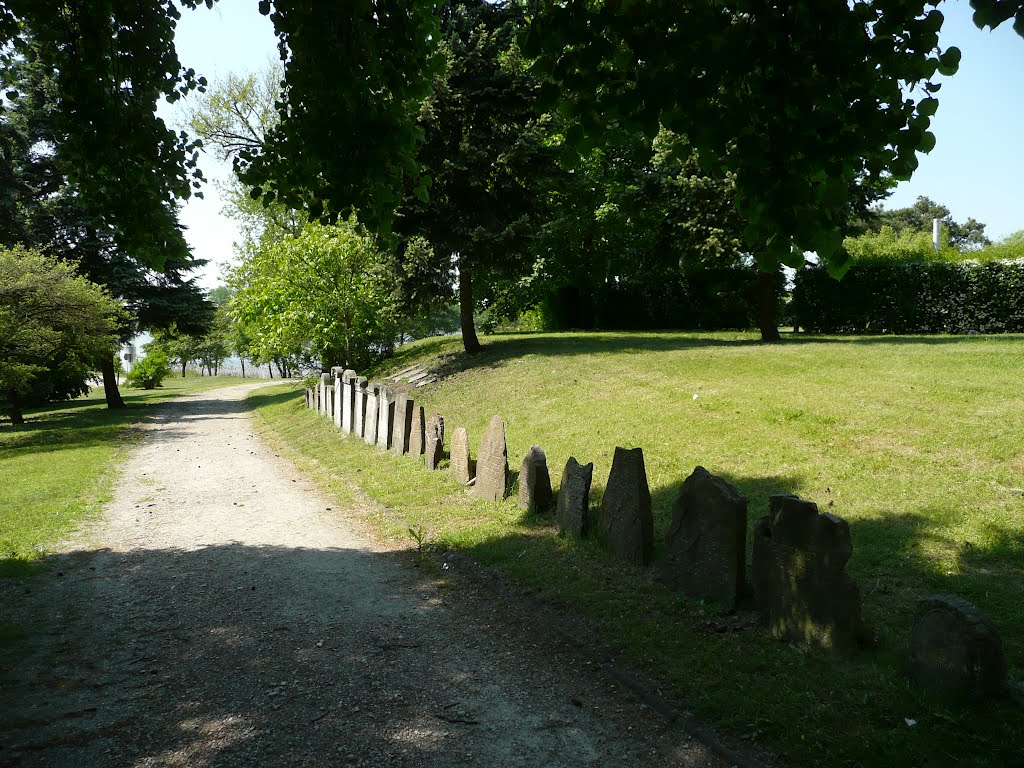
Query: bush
[[149, 372], [901, 297]]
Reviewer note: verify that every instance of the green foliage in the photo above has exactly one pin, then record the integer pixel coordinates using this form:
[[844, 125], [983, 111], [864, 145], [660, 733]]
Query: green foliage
[[913, 297], [49, 318], [150, 371], [325, 293], [917, 219], [907, 246]]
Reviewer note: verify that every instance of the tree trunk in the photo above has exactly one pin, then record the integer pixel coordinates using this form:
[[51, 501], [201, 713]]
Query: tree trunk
[[270, 369], [14, 409], [183, 364], [110, 390], [469, 340], [766, 306], [242, 361]]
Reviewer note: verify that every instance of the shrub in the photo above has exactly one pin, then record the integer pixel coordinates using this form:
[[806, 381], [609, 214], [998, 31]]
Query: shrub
[[149, 372]]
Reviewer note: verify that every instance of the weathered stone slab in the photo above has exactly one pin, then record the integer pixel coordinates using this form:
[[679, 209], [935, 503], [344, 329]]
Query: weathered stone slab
[[492, 463], [372, 400], [348, 399], [955, 650], [626, 523], [325, 380], [706, 542], [329, 401], [417, 435], [535, 497], [460, 456], [402, 426], [434, 441], [798, 561], [359, 406], [385, 418], [337, 404], [572, 513]]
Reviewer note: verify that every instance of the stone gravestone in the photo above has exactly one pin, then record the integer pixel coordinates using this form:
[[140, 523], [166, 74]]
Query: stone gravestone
[[535, 495], [325, 380], [572, 512], [706, 542], [460, 456], [492, 463], [372, 399], [385, 418], [402, 426], [359, 406], [798, 561], [417, 435], [626, 523], [434, 439], [348, 398], [955, 650], [337, 374]]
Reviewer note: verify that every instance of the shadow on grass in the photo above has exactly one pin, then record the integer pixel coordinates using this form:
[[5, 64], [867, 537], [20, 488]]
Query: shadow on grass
[[499, 349]]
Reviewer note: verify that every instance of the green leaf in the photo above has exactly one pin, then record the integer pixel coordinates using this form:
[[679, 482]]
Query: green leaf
[[927, 142], [949, 61], [928, 107]]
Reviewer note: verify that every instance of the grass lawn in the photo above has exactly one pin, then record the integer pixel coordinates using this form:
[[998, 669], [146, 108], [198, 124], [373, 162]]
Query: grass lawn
[[917, 441], [57, 467]]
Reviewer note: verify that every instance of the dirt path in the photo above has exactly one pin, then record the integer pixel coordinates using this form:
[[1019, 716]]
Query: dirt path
[[223, 614]]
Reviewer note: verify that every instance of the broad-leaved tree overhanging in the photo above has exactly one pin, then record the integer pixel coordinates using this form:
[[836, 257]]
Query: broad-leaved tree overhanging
[[798, 100], [113, 60]]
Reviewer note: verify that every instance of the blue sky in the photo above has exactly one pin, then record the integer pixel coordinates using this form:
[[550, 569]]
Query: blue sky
[[976, 168]]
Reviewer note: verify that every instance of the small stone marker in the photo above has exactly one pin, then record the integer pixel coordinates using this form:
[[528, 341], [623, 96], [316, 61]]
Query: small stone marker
[[492, 463], [417, 435], [402, 425], [347, 398], [370, 424], [707, 539], [955, 650], [799, 556], [359, 406], [626, 523], [535, 495], [336, 402], [572, 511], [325, 380], [460, 456], [434, 439], [385, 418]]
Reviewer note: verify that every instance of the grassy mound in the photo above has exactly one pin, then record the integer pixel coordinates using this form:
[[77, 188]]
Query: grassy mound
[[917, 442]]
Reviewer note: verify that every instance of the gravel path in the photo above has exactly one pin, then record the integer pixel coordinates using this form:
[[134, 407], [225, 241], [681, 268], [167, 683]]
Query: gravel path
[[222, 613]]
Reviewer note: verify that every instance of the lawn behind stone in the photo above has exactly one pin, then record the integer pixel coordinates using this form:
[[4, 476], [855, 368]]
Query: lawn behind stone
[[917, 441]]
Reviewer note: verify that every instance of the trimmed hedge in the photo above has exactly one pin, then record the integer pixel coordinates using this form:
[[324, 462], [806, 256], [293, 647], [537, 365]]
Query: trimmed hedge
[[938, 297]]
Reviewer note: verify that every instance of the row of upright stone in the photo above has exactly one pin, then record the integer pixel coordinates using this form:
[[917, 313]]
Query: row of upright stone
[[798, 554]]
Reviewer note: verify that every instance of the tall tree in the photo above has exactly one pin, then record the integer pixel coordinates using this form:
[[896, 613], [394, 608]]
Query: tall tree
[[488, 153], [50, 317], [52, 212]]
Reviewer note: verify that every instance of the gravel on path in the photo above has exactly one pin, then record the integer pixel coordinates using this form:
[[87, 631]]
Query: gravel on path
[[225, 613]]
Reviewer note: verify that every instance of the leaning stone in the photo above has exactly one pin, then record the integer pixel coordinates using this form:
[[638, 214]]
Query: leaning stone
[[434, 439], [336, 402], [535, 495], [810, 598], [402, 427], [385, 418], [329, 400], [955, 650], [706, 541], [417, 435], [359, 407], [372, 401], [460, 456], [492, 463], [571, 514], [626, 523]]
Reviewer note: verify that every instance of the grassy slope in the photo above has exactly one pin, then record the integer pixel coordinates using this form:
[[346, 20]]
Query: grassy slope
[[56, 468], [918, 442]]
